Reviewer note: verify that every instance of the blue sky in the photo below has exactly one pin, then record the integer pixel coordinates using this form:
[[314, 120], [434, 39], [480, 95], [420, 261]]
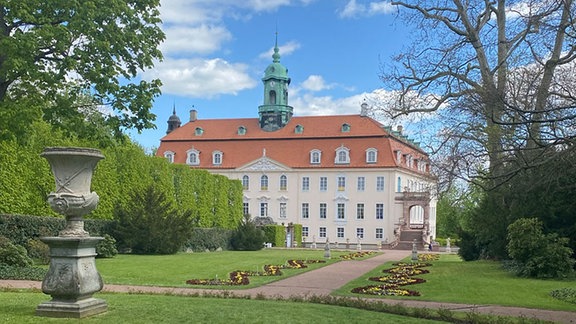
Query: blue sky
[[216, 51]]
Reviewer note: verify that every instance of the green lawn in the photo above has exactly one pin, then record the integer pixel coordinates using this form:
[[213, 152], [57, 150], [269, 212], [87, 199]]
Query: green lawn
[[477, 282], [19, 307], [174, 270]]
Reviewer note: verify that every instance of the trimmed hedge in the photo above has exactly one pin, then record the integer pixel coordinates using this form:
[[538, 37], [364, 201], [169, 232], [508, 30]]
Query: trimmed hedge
[[209, 239], [275, 234]]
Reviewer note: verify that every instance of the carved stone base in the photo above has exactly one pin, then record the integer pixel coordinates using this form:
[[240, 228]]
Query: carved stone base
[[72, 278], [66, 309]]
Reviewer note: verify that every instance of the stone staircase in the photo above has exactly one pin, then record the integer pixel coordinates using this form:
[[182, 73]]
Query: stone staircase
[[407, 237]]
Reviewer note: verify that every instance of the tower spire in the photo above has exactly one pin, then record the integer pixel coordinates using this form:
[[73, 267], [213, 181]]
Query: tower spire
[[276, 55]]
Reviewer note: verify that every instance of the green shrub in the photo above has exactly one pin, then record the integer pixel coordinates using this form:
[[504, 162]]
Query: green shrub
[[565, 294], [107, 247], [275, 234], [8, 272], [39, 251], [203, 239], [13, 254], [150, 224], [537, 254], [248, 237]]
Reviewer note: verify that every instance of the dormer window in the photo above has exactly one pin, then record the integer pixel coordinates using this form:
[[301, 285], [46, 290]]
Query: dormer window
[[217, 158], [193, 157], [342, 155], [169, 155], [298, 129], [371, 155], [315, 156], [241, 130], [345, 128], [398, 156], [198, 131], [409, 160]]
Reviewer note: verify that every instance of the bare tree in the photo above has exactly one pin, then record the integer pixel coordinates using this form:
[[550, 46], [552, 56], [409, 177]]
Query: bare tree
[[500, 75]]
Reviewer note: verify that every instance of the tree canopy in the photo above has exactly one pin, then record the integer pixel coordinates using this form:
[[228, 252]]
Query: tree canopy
[[53, 53], [497, 74]]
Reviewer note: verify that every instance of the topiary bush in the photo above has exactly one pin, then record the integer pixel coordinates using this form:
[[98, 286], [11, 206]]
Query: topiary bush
[[275, 234], [248, 237]]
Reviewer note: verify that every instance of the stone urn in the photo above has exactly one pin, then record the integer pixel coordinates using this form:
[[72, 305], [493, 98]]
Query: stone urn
[[72, 277]]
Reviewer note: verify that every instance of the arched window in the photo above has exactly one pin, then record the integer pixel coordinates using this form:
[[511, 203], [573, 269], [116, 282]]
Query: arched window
[[298, 129], [169, 155], [245, 182], [198, 131], [283, 182], [272, 97], [264, 182], [342, 155], [193, 157], [371, 155], [217, 157], [315, 156]]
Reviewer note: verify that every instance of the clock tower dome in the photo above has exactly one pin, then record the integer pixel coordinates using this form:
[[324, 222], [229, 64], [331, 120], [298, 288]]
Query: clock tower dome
[[275, 113]]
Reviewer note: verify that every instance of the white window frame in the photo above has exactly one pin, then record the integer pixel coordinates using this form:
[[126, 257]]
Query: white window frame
[[379, 211], [342, 155], [360, 210], [341, 181], [283, 182], [169, 155], [264, 182], [283, 209], [340, 211], [245, 182], [379, 234], [380, 182], [322, 232], [323, 183], [315, 156], [340, 233], [323, 210], [305, 210], [361, 185], [217, 157], [195, 160], [371, 155], [263, 209], [360, 232], [305, 183]]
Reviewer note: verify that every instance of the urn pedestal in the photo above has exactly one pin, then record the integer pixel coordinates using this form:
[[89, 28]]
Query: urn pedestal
[[72, 278]]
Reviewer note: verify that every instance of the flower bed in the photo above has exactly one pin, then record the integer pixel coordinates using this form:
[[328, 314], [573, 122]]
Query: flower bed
[[241, 277], [401, 275], [356, 255]]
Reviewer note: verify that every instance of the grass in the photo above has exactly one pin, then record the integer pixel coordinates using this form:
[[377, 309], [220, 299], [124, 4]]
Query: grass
[[174, 270], [19, 307], [477, 282]]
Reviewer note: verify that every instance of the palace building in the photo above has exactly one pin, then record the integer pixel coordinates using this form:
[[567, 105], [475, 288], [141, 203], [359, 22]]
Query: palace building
[[345, 178]]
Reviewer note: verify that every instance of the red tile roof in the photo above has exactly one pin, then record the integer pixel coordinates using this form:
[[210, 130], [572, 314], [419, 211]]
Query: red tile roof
[[286, 146]]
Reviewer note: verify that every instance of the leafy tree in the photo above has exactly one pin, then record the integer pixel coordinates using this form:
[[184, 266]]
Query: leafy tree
[[54, 53], [248, 237], [149, 224], [537, 254]]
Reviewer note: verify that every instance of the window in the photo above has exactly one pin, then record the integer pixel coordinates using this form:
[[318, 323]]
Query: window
[[341, 183], [216, 157], [263, 209], [379, 233], [360, 232], [283, 182], [322, 232], [409, 161], [282, 210], [241, 130], [361, 183], [272, 96], [379, 211], [193, 157], [345, 128], [264, 182], [323, 183], [398, 156], [305, 231], [198, 131], [360, 211], [342, 155], [399, 185], [305, 183], [371, 155], [245, 182], [341, 211], [323, 210], [169, 155], [246, 208], [298, 129], [315, 156], [305, 210], [380, 184], [340, 232]]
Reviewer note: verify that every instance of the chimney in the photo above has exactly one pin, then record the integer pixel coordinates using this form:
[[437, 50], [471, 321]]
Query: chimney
[[399, 129], [364, 109], [193, 115]]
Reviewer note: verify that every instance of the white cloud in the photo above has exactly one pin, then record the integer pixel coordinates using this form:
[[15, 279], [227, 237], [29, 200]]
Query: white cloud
[[315, 83], [353, 9], [201, 78], [202, 39]]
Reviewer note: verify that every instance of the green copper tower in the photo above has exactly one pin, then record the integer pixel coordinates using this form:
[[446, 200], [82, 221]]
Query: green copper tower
[[275, 113]]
